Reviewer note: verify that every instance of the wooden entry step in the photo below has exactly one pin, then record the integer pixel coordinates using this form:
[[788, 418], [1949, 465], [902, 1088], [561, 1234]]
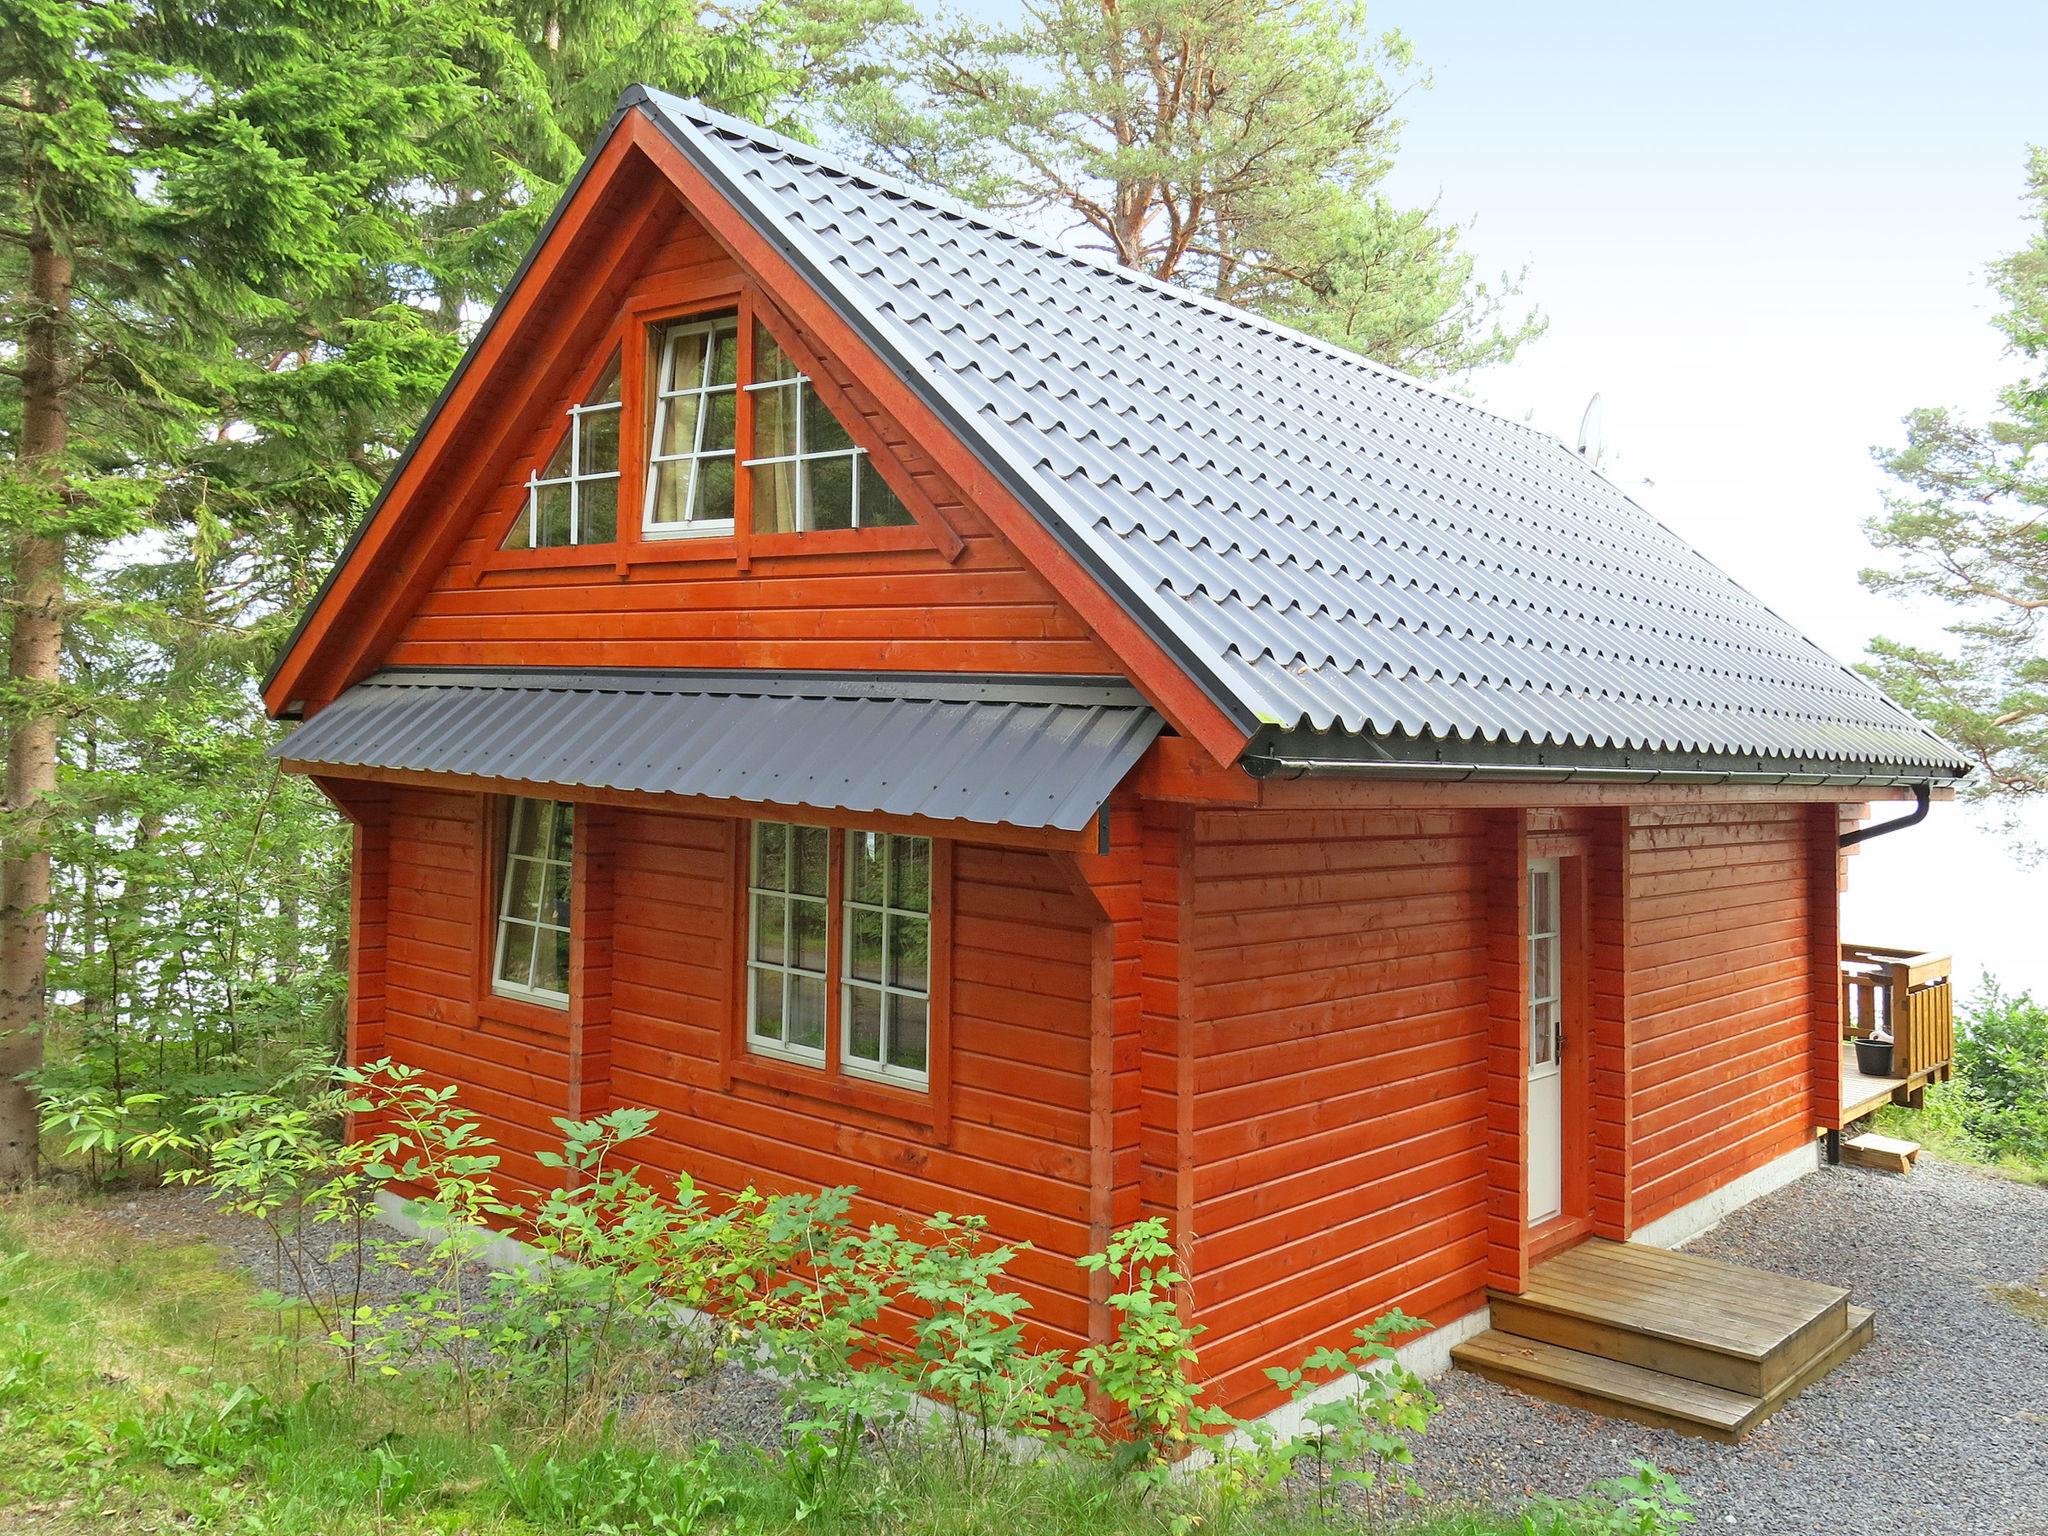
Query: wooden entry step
[[1665, 1338]]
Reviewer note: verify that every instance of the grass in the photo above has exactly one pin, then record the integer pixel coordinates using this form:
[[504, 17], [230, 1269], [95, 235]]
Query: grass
[[1939, 1129], [138, 1394]]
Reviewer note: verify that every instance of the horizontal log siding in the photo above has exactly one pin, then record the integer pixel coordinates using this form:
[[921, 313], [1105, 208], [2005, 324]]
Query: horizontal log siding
[[1720, 912], [1017, 1149], [1337, 990], [515, 1080], [905, 609]]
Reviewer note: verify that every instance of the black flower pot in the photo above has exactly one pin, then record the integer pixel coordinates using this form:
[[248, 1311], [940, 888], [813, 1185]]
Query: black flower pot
[[1874, 1058]]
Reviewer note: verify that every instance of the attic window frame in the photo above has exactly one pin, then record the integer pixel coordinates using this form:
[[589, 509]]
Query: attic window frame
[[655, 338]]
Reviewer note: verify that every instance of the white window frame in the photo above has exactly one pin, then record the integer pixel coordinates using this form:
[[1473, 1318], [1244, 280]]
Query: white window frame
[[786, 970], [576, 478], [671, 334], [1552, 940], [504, 920], [798, 382], [884, 1071]]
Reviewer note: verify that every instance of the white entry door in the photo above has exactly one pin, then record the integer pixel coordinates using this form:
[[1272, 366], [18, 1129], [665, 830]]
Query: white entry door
[[1546, 1080]]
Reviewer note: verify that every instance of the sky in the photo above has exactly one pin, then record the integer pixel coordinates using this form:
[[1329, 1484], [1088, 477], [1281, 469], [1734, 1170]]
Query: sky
[[1760, 234]]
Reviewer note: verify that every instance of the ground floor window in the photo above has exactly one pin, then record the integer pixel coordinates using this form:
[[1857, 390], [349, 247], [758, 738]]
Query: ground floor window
[[839, 950], [531, 958]]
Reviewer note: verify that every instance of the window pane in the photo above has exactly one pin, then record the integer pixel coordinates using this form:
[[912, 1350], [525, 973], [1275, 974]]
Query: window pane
[[768, 1004], [597, 511], [909, 951], [558, 895], [828, 492], [864, 1024], [807, 1012], [671, 493], [822, 430], [774, 498], [1542, 905], [558, 818], [522, 831], [714, 492], [880, 507], [685, 355], [807, 935], [525, 882], [600, 442], [910, 874], [607, 386], [1540, 1015], [679, 425], [770, 361], [769, 919], [771, 861], [725, 356], [813, 859], [864, 944], [515, 956], [558, 467], [551, 961], [908, 1028], [775, 421], [551, 520], [719, 428], [865, 864], [520, 534], [1542, 980]]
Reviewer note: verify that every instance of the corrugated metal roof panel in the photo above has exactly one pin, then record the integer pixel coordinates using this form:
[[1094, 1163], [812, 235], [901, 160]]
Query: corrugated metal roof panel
[[1010, 752], [1329, 545]]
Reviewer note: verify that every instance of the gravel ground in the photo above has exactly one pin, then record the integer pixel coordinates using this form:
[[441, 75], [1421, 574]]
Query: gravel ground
[[1939, 1426]]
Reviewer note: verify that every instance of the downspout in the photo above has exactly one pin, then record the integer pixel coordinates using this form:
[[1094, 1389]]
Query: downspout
[[1922, 799]]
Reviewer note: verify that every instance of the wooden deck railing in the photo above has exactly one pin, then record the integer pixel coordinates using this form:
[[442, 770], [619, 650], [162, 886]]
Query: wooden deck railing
[[1906, 995]]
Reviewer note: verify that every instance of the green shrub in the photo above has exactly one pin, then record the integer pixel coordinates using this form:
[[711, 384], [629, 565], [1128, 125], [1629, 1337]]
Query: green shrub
[[2001, 1088]]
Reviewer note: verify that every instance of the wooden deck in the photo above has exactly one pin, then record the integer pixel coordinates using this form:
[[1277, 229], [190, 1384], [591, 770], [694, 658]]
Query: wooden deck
[[1663, 1338], [1863, 1094]]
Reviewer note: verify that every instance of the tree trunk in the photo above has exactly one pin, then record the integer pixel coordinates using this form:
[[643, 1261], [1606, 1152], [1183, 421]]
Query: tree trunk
[[33, 670]]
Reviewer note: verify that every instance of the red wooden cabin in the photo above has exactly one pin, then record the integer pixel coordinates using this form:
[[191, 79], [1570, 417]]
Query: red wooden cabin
[[925, 711]]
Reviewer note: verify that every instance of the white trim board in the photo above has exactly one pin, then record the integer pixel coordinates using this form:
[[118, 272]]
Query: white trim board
[[1704, 1214]]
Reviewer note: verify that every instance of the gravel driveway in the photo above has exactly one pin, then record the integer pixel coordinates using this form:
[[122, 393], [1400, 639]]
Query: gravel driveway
[[1939, 1425]]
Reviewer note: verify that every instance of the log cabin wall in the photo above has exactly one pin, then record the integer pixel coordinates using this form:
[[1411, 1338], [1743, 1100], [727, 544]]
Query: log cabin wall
[[1336, 969], [692, 603], [1722, 910]]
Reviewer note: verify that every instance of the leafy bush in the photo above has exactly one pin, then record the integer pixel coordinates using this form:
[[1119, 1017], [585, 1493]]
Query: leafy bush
[[2001, 1088], [1647, 1502]]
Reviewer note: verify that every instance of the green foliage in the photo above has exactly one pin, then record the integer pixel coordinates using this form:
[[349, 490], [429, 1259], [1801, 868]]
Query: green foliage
[[235, 1437], [1237, 147], [611, 1488], [2002, 1065], [1965, 527], [1146, 1370], [1647, 1502]]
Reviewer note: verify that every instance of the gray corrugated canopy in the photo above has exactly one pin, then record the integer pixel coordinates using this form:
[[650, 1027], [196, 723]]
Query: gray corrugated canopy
[[997, 751]]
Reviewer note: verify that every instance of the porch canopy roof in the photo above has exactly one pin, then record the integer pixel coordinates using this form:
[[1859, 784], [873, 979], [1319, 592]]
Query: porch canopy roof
[[1019, 752]]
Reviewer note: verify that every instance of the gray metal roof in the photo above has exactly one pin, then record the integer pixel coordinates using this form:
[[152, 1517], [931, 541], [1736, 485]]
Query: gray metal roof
[[997, 751], [1327, 545]]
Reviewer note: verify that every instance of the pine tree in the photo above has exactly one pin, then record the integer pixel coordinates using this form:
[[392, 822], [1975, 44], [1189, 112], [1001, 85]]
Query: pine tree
[[1969, 525], [239, 247], [1237, 147]]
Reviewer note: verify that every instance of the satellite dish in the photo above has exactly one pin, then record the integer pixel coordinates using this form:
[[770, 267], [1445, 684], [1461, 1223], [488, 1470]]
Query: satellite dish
[[1592, 440]]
